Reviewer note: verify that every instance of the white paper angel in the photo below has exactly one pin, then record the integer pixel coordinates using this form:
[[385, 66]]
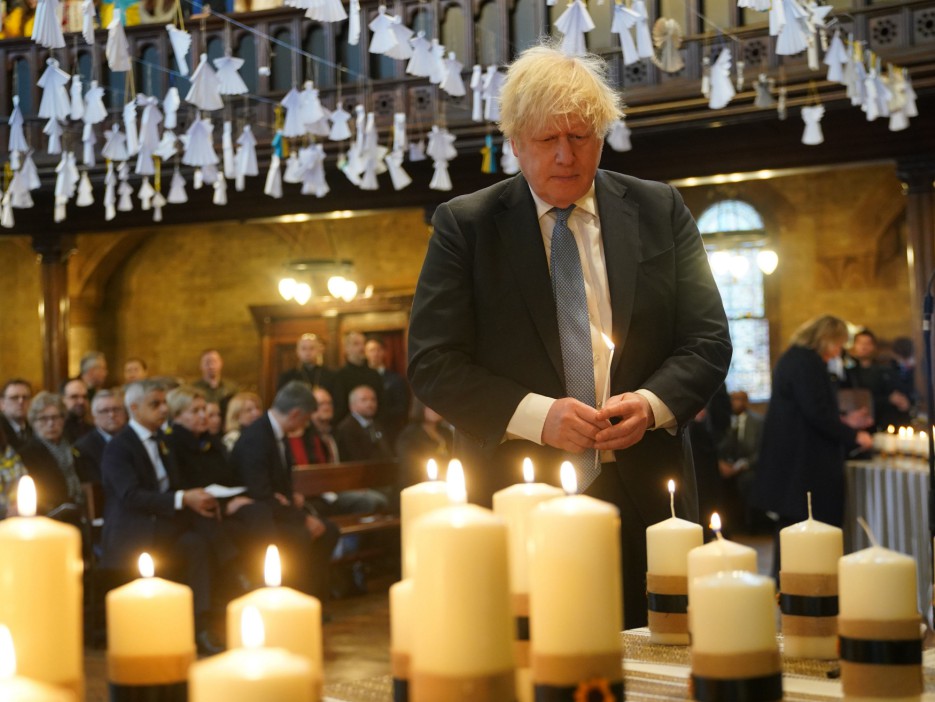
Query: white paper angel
[[384, 38], [181, 42], [124, 197], [437, 65], [326, 11], [130, 129], [145, 194], [55, 101], [353, 23], [273, 185], [228, 75], [903, 101], [88, 142], [149, 135], [19, 194], [477, 93], [339, 129], [400, 139], [220, 191], [118, 48], [441, 144], [170, 107], [159, 201], [292, 120], [573, 23], [493, 81], [47, 25], [87, 21], [30, 173], [420, 61], [856, 76], [313, 115], [644, 41], [619, 136], [85, 191], [882, 91], [402, 49], [398, 176], [167, 145], [110, 193], [758, 5], [53, 130], [811, 115], [764, 92], [667, 38], [623, 21], [836, 58], [417, 151], [7, 220], [313, 179], [77, 98], [452, 82], [199, 151], [441, 180], [793, 31], [94, 110], [246, 162], [177, 194], [227, 148], [115, 144], [205, 90], [722, 87], [17, 139], [509, 164]]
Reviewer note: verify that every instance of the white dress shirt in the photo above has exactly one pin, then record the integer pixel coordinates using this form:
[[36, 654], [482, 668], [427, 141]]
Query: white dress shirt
[[151, 444]]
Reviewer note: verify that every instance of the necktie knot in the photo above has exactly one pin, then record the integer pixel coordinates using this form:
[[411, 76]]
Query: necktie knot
[[562, 214]]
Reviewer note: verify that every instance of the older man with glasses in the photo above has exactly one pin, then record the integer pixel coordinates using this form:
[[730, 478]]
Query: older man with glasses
[[110, 416], [14, 405]]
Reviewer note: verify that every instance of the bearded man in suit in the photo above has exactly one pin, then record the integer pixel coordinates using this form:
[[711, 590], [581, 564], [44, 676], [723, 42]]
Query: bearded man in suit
[[521, 280]]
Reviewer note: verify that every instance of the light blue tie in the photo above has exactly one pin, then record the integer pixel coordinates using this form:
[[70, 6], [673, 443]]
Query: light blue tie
[[574, 331]]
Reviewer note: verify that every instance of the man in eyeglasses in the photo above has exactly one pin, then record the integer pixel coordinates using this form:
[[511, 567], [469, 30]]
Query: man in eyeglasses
[[110, 416], [14, 406]]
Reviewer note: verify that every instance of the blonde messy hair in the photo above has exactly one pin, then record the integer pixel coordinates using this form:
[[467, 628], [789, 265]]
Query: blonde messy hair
[[821, 333], [544, 85]]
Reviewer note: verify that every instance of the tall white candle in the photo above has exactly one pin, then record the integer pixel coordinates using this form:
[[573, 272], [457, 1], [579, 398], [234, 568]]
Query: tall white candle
[[150, 630], [809, 554], [462, 638], [401, 622], [717, 555], [414, 501], [575, 595], [291, 619], [667, 546], [41, 593]]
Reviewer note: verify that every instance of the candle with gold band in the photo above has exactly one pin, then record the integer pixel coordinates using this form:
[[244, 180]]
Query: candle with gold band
[[808, 587], [515, 504], [879, 625], [717, 555], [41, 594], [400, 637], [150, 638], [667, 546], [734, 653], [254, 673], [575, 597], [416, 500], [291, 619], [462, 638], [14, 688]]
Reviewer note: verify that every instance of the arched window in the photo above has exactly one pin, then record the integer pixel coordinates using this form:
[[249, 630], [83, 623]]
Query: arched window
[[487, 34], [149, 72], [524, 29], [22, 85], [423, 21], [281, 62], [453, 33], [736, 241], [215, 50], [246, 50], [316, 44], [349, 58]]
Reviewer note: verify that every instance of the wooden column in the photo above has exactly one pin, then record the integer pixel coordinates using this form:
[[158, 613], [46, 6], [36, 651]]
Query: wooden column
[[54, 251]]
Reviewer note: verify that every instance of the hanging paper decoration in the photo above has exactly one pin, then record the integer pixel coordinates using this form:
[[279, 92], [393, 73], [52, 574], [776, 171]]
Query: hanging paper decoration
[[477, 93], [228, 75], [421, 59], [311, 171], [836, 59], [488, 163], [181, 42], [124, 196], [94, 110], [55, 103], [384, 38], [437, 64], [903, 102], [118, 48], [417, 151], [227, 148], [402, 49], [273, 186], [339, 129], [53, 129], [400, 140], [47, 25], [372, 156], [159, 201], [115, 145], [85, 191], [292, 122], [644, 41], [16, 143], [326, 11], [441, 150], [146, 194], [353, 167], [706, 76], [353, 23], [619, 136], [788, 21], [167, 146], [313, 115], [149, 135], [398, 176], [66, 184], [493, 82], [177, 194], [129, 125], [220, 190], [170, 107], [205, 90], [110, 193], [573, 23], [452, 82], [781, 103], [811, 115], [758, 5], [624, 20], [88, 142], [199, 151], [77, 98], [667, 38], [722, 87], [246, 163], [764, 95], [87, 21]]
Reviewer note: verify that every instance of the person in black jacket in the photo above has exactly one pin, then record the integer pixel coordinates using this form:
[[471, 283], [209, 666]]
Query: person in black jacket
[[805, 439]]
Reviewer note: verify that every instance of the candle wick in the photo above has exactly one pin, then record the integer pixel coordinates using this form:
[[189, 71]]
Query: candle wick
[[718, 534], [867, 531], [809, 496], [672, 503]]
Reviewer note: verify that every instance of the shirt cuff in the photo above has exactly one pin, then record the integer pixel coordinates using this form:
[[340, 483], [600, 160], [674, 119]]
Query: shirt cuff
[[179, 496], [529, 418], [664, 419]]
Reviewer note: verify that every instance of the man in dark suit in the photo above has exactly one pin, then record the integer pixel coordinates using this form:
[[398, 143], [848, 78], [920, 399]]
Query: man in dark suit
[[309, 351], [110, 417], [145, 509], [264, 462], [738, 456], [355, 372], [360, 434], [516, 361], [75, 397], [14, 408]]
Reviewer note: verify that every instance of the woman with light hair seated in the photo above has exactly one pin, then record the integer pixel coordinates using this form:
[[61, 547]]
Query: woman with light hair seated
[[243, 408]]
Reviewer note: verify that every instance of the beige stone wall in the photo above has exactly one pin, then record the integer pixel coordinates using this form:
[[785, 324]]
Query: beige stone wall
[[20, 296]]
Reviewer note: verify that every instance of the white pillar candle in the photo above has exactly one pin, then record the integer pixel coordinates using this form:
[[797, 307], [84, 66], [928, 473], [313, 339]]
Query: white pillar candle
[[291, 619], [878, 604], [401, 637], [808, 585], [890, 441], [14, 688], [41, 594], [514, 504], [462, 638], [667, 546], [575, 592], [734, 637], [414, 501], [253, 673], [717, 555]]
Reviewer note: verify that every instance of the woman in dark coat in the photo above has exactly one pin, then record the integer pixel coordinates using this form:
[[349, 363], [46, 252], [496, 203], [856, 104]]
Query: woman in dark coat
[[805, 439]]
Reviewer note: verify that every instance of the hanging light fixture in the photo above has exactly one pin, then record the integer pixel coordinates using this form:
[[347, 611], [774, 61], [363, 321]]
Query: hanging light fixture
[[287, 288], [767, 260], [320, 274]]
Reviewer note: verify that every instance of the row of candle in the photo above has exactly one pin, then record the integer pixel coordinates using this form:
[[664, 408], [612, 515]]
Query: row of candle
[[905, 441]]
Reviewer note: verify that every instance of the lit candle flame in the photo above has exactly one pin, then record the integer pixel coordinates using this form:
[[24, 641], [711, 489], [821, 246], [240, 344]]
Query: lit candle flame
[[252, 632], [902, 432], [26, 497], [672, 497], [7, 654], [909, 432], [146, 565], [715, 524], [529, 473], [431, 469], [569, 479], [272, 568], [457, 491], [891, 429]]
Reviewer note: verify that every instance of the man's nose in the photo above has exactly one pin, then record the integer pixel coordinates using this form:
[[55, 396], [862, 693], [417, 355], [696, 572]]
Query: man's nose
[[563, 151]]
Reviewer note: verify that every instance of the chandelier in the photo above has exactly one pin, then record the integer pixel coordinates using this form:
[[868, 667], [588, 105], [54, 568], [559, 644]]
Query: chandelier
[[307, 278]]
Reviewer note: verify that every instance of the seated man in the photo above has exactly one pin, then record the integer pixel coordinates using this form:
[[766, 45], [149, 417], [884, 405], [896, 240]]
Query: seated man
[[309, 351], [75, 397], [360, 435], [264, 462], [110, 417], [14, 406], [146, 509]]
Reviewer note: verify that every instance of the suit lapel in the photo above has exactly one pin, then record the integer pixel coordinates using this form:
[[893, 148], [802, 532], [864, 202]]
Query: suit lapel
[[143, 459], [620, 236], [522, 241]]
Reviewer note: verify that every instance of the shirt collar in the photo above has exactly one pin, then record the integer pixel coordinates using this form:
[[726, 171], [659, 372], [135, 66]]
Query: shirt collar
[[277, 430], [587, 203], [141, 431]]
